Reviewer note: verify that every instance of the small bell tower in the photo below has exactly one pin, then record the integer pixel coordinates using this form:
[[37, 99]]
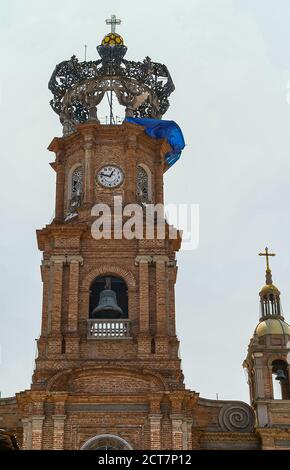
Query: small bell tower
[[267, 362]]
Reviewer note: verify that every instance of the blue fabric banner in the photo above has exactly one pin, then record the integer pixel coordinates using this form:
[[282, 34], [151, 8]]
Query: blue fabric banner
[[159, 129]]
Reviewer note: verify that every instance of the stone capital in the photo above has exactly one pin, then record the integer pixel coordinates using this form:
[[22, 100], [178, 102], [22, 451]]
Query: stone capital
[[61, 259], [89, 144], [75, 259], [37, 418], [160, 259], [45, 263], [143, 259], [155, 418], [58, 418]]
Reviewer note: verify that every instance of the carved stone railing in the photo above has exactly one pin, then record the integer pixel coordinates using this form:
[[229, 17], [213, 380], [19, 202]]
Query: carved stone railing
[[108, 329]]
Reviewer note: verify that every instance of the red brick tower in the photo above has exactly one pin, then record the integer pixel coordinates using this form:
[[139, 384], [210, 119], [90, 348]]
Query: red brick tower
[[108, 371]]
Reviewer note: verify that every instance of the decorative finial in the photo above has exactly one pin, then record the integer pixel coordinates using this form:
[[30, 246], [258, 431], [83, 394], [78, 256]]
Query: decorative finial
[[113, 21], [268, 270]]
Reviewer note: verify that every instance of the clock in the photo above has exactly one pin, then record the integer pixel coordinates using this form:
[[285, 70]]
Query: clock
[[110, 176]]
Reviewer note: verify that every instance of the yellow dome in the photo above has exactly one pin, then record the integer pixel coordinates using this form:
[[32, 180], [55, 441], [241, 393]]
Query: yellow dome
[[273, 326], [113, 39], [269, 289]]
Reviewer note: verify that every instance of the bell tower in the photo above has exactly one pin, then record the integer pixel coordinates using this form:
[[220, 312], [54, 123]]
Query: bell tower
[[108, 362], [267, 362]]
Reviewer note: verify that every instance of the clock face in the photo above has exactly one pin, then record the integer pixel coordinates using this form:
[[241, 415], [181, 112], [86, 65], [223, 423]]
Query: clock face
[[110, 176]]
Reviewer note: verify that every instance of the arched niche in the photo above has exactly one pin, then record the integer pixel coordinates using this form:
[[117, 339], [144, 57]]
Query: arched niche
[[106, 442], [75, 187], [144, 184]]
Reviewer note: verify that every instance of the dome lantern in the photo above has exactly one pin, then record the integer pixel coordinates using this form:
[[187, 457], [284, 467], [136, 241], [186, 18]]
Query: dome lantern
[[269, 294]]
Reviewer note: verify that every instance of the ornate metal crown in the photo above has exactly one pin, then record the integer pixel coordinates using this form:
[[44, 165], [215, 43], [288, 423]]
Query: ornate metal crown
[[142, 88]]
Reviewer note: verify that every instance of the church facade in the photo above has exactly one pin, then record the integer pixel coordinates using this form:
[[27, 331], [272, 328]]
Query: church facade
[[108, 372]]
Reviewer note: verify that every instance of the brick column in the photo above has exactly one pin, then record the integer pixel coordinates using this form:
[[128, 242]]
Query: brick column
[[58, 432], [89, 146], [131, 150], [172, 272], [45, 269], [36, 432], [73, 295], [45, 321], [144, 337], [72, 336], [143, 293], [37, 418], [155, 422], [60, 185], [159, 194], [161, 339], [59, 417], [177, 420], [55, 339], [155, 432]]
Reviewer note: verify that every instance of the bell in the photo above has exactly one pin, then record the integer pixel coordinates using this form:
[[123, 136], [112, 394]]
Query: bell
[[108, 306], [280, 375]]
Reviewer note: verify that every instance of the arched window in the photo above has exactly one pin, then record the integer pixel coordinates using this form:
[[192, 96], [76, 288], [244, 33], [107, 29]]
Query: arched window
[[76, 189], [106, 442], [280, 380], [144, 184], [108, 298]]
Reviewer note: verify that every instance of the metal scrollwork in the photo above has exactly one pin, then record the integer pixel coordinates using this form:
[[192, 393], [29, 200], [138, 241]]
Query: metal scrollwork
[[143, 88]]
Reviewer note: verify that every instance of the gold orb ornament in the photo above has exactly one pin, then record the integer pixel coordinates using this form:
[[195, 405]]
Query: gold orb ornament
[[113, 39]]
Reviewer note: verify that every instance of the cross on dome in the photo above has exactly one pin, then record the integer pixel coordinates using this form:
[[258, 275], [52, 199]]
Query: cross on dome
[[113, 21]]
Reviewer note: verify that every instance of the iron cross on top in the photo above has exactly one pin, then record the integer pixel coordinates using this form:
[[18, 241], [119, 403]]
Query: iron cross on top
[[267, 254], [113, 21]]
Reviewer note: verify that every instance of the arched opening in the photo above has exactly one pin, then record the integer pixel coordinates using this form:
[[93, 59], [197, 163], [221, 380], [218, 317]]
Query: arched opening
[[75, 188], [106, 442], [144, 185], [280, 380], [108, 298]]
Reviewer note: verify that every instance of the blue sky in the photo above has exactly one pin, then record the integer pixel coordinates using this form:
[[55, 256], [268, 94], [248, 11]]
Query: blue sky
[[230, 63]]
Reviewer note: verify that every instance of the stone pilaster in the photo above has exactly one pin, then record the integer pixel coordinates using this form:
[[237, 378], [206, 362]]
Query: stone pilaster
[[177, 432], [26, 422], [259, 382], [189, 422]]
